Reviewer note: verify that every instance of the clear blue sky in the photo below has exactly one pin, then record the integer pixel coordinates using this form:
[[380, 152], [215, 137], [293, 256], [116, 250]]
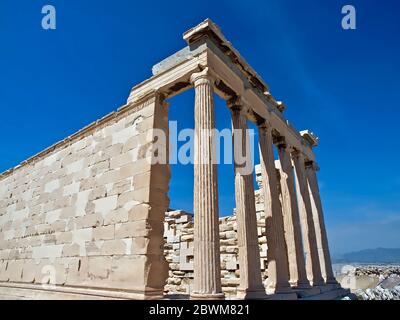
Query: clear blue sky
[[344, 85]]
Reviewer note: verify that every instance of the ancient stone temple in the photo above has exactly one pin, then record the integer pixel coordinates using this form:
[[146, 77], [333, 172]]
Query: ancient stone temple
[[88, 217]]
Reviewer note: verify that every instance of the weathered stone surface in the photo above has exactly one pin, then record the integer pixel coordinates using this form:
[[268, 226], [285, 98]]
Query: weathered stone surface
[[90, 209]]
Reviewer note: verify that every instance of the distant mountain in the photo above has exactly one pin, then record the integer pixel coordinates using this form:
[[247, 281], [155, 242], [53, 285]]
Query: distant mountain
[[378, 255]]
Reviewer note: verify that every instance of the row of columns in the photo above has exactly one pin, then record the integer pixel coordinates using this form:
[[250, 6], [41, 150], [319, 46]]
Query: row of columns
[[298, 253]]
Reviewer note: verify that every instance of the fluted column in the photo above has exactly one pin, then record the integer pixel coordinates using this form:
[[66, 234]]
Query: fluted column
[[306, 217], [297, 270], [278, 273], [319, 223], [250, 286], [207, 270]]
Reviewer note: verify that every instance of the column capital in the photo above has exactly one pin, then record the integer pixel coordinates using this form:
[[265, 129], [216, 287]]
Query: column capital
[[202, 77], [297, 154], [280, 142], [312, 165], [236, 104], [264, 124]]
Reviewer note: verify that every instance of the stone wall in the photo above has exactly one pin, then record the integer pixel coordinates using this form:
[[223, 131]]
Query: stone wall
[[83, 209], [178, 248]]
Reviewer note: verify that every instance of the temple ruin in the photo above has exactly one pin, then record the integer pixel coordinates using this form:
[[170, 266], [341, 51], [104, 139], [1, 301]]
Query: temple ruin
[[89, 216]]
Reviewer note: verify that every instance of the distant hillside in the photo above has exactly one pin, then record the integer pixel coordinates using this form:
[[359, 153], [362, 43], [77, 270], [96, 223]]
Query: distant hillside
[[379, 255]]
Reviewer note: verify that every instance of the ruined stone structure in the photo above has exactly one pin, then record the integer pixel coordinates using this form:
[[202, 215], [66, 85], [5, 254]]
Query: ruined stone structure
[[86, 215], [178, 249]]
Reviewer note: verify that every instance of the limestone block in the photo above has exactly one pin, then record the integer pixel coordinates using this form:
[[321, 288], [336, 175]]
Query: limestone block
[[140, 228], [81, 202], [230, 282], [225, 227], [142, 180], [128, 272], [29, 271], [260, 207], [49, 251], [14, 270], [75, 166], [120, 187], [67, 213], [186, 257], [231, 265], [116, 216], [72, 250], [131, 143], [183, 218], [126, 198], [143, 211], [103, 233], [262, 240], [59, 226], [111, 176], [98, 270], [4, 253], [174, 214], [142, 245], [52, 216], [113, 247], [51, 186], [174, 239], [230, 234], [3, 270], [113, 150], [82, 235], [232, 249], [89, 220], [105, 205], [49, 239], [100, 168], [123, 159], [93, 248], [97, 193], [141, 195], [228, 242], [188, 237]]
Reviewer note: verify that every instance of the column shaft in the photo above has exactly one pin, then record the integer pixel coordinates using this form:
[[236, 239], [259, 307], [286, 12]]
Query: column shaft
[[207, 272], [306, 215], [278, 273], [320, 231], [249, 252], [297, 270]]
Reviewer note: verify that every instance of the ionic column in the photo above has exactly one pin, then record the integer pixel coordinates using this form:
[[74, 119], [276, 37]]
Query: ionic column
[[250, 286], [297, 270], [278, 273], [306, 216], [207, 270], [319, 223]]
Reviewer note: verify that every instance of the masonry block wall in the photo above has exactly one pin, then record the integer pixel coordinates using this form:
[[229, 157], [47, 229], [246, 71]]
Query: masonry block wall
[[83, 210]]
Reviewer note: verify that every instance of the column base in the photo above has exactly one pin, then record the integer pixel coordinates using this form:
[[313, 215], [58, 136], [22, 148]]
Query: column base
[[308, 292], [279, 290], [301, 285], [318, 283], [207, 296], [332, 281], [251, 294], [282, 296]]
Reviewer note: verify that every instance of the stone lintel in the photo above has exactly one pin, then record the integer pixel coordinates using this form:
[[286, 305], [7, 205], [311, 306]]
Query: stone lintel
[[209, 29], [310, 137]]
